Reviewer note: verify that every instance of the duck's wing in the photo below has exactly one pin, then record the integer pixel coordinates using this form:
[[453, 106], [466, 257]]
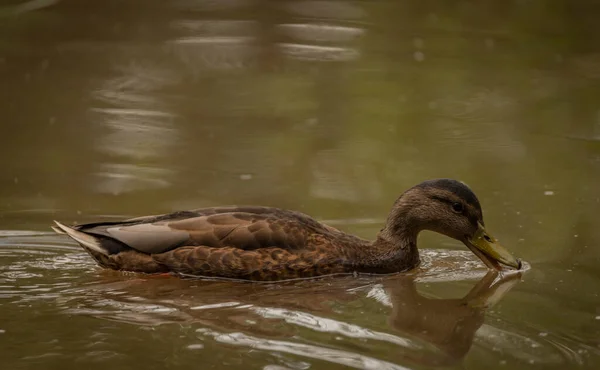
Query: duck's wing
[[246, 228]]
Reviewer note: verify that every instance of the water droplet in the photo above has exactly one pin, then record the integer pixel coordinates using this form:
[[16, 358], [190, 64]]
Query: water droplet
[[575, 236], [246, 176], [543, 334], [548, 192], [597, 317], [419, 56]]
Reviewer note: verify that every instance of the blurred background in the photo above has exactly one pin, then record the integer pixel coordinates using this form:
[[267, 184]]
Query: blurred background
[[114, 109]]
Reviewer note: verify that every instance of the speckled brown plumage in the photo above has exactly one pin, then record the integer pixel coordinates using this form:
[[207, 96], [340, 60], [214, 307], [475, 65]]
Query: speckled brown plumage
[[263, 243]]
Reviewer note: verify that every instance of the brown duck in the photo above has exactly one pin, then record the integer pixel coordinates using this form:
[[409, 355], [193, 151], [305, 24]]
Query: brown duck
[[263, 243]]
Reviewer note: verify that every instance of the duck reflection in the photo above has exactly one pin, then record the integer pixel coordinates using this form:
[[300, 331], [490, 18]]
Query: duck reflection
[[337, 312], [447, 324]]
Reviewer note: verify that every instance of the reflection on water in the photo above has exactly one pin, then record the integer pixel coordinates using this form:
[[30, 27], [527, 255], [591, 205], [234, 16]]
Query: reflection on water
[[115, 109], [139, 129]]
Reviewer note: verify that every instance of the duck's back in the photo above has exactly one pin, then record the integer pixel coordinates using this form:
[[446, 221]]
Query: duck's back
[[246, 228]]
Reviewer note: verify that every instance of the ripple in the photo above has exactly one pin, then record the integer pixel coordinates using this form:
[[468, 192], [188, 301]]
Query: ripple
[[213, 40], [21, 233], [321, 32], [439, 265], [215, 52], [216, 305], [322, 324], [318, 53], [378, 293], [217, 27], [37, 266], [519, 344], [345, 358], [117, 178]]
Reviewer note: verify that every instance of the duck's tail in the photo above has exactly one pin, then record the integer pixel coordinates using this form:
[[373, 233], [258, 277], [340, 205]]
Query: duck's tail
[[87, 241], [58, 230], [90, 244], [110, 253]]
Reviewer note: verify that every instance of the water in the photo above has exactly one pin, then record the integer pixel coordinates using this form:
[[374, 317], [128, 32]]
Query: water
[[114, 109]]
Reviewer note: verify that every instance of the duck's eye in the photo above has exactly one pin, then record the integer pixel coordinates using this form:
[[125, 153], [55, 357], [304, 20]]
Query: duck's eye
[[457, 207]]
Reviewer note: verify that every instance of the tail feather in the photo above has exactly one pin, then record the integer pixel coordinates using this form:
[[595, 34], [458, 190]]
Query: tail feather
[[110, 253], [58, 230], [86, 240]]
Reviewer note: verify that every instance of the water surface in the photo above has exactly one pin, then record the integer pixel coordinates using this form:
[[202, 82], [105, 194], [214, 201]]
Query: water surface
[[114, 109]]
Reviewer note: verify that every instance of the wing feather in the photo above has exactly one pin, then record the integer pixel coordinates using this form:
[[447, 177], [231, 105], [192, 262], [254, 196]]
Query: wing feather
[[245, 228]]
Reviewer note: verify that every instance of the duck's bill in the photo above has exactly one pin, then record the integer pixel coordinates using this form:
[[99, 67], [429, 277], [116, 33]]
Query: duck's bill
[[486, 247]]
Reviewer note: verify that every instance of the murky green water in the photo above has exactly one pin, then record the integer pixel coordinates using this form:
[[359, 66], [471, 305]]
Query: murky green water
[[113, 109]]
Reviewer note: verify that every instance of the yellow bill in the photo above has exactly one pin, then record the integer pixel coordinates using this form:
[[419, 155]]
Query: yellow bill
[[486, 247]]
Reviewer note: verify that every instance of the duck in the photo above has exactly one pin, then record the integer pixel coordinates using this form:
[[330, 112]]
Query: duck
[[267, 244]]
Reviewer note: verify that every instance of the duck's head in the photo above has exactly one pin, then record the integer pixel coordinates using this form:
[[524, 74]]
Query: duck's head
[[451, 208]]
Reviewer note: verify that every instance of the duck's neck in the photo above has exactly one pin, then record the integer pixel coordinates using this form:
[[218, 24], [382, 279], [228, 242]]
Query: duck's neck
[[400, 250], [395, 248]]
